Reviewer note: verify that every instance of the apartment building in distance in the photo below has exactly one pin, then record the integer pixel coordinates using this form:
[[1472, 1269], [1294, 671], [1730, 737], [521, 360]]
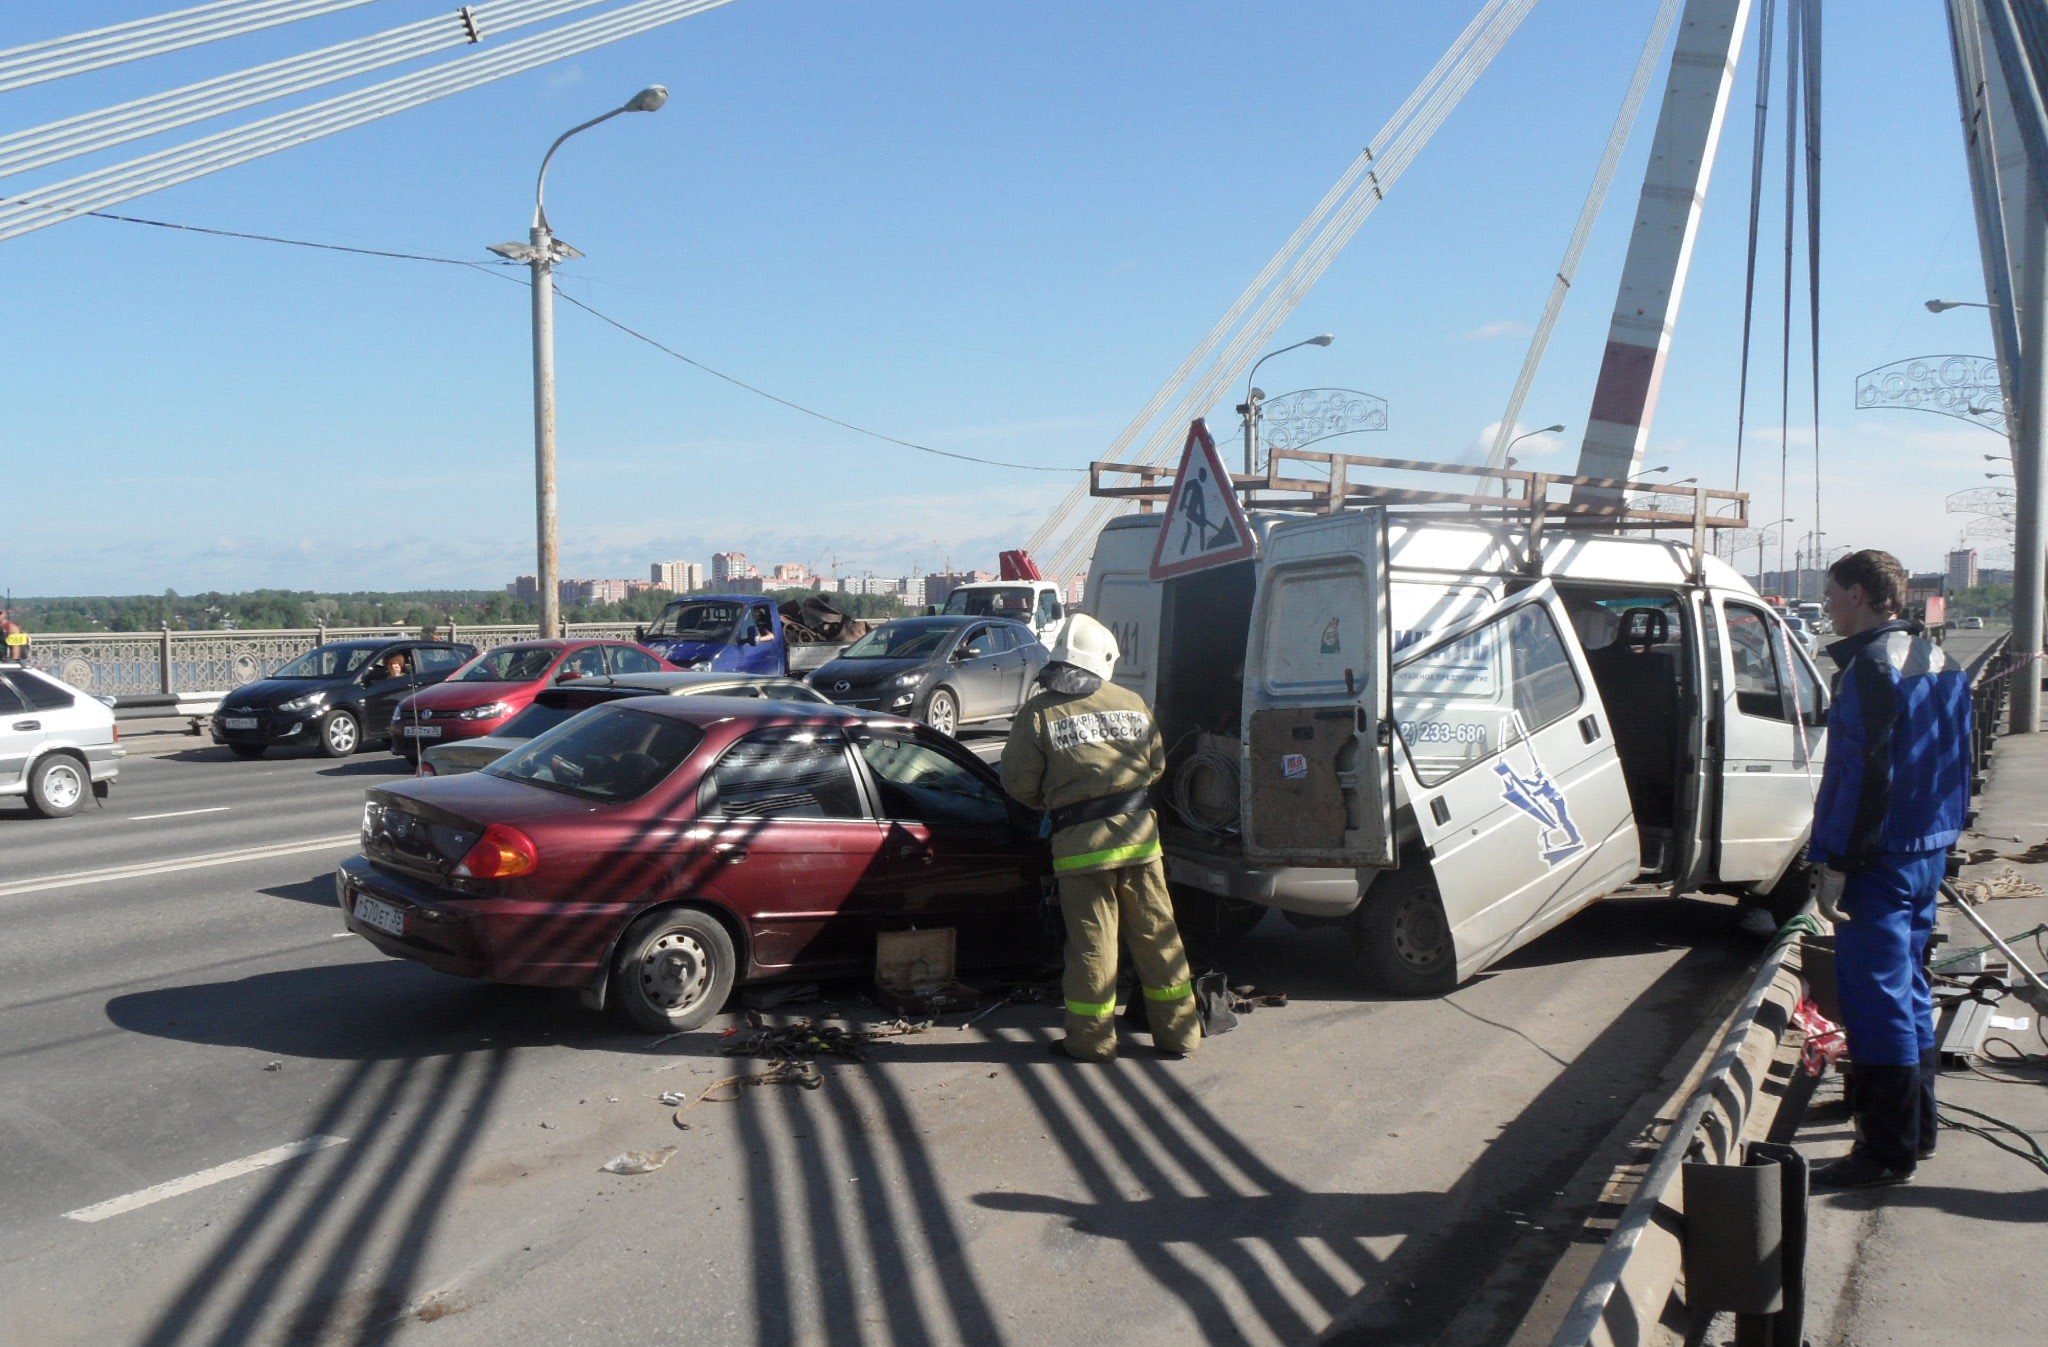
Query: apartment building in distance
[[939, 584], [729, 566], [1962, 569], [677, 577], [526, 589]]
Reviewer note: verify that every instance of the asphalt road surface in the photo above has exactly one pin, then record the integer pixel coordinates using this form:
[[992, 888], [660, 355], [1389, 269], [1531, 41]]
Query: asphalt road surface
[[225, 1122]]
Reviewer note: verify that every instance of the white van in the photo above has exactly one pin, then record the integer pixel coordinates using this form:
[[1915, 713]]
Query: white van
[[1447, 739]]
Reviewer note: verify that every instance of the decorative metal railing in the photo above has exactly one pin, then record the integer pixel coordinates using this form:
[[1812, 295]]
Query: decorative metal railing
[[138, 663]]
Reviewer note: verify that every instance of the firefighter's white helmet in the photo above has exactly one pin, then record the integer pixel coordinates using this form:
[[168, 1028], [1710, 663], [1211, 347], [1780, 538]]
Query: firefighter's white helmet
[[1086, 644]]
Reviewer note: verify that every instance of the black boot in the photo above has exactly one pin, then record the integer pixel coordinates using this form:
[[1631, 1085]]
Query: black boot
[[1930, 1116], [1888, 1128]]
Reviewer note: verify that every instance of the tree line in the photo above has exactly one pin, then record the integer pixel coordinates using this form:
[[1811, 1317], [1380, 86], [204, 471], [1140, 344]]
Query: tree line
[[274, 609]]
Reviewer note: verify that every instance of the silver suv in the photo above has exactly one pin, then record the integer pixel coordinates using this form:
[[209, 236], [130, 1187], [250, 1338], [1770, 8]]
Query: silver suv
[[57, 745]]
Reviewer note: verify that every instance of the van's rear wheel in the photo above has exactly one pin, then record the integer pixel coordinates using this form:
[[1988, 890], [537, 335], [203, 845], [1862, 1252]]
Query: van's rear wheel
[[1402, 937], [1210, 925]]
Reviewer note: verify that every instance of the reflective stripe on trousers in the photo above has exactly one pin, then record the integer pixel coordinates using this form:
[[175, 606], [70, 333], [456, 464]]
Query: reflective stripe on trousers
[[1130, 904]]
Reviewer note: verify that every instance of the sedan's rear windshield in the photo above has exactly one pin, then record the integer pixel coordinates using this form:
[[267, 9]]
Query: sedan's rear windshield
[[612, 755], [328, 661], [505, 665], [905, 640], [554, 706]]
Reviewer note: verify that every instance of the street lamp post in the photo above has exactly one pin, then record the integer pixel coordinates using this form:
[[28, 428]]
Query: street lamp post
[[541, 252], [1508, 460], [1253, 397], [1944, 305], [1761, 534]]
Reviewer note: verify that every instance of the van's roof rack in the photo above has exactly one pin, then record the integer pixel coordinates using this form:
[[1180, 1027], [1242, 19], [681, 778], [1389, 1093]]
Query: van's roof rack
[[1322, 482]]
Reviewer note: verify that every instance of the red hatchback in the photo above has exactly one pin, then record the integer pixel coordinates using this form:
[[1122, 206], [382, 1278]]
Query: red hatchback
[[655, 851], [503, 681]]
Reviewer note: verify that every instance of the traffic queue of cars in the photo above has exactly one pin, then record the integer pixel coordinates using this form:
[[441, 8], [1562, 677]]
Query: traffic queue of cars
[[587, 815]]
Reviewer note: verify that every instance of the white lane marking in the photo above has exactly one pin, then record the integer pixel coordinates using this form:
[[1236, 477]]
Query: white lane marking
[[182, 813], [119, 872], [115, 1206]]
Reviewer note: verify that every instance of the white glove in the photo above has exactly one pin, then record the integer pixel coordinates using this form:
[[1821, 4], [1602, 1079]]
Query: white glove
[[1827, 893]]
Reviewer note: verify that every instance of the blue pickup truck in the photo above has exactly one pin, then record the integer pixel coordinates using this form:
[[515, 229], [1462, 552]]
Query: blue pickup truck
[[744, 633]]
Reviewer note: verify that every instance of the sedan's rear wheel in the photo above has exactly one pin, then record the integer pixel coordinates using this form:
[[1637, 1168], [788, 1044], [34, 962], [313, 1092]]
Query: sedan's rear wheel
[[340, 735], [58, 785], [941, 712], [674, 970]]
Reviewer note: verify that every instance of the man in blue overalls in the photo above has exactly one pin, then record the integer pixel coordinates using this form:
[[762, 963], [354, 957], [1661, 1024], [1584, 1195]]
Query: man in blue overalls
[[1891, 805]]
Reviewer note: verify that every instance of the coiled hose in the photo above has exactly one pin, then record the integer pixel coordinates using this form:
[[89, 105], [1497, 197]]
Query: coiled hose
[[1217, 822]]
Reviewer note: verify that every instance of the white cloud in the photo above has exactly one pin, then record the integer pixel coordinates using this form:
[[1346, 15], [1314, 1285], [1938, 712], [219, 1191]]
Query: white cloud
[[1499, 328], [1527, 446]]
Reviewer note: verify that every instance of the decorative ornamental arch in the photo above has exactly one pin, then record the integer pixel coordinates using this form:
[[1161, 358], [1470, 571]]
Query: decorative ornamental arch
[[1301, 418], [1966, 387]]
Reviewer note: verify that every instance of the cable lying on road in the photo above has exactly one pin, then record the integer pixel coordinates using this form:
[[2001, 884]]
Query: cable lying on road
[[805, 1074]]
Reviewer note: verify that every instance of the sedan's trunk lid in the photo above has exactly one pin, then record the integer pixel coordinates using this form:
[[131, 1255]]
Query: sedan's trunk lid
[[425, 827]]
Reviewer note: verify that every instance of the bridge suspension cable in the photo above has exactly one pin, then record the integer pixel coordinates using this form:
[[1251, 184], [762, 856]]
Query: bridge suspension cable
[[1288, 276], [25, 213], [1589, 214], [136, 39], [104, 128]]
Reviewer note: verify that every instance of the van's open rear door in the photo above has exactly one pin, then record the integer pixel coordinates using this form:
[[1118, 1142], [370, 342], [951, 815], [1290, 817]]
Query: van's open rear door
[[1316, 778]]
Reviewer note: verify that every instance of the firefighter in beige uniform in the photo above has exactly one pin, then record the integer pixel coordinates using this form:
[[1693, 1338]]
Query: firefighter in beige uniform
[[1086, 751]]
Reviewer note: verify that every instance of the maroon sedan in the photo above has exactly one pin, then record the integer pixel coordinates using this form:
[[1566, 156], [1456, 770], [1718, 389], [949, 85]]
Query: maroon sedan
[[652, 852], [483, 694]]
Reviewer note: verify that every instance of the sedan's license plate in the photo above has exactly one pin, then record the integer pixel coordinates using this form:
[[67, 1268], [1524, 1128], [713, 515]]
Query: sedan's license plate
[[422, 731], [383, 916], [240, 722]]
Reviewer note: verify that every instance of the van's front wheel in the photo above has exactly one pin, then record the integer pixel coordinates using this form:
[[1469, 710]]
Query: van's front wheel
[[1402, 937]]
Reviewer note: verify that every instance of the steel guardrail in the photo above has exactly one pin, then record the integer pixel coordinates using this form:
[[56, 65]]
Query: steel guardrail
[[128, 664], [1711, 1123], [1990, 692]]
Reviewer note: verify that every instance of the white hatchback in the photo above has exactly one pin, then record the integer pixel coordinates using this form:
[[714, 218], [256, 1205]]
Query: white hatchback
[[57, 745]]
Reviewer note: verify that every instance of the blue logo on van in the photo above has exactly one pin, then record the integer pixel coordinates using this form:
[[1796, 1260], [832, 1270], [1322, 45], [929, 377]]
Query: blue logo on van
[[1538, 796]]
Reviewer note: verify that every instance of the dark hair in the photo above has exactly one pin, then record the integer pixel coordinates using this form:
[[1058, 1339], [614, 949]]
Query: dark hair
[[1882, 577]]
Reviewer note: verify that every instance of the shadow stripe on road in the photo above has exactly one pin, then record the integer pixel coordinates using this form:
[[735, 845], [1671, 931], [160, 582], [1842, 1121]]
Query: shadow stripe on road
[[120, 872]]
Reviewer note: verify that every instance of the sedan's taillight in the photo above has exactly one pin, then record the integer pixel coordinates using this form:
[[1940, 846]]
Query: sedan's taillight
[[501, 853], [426, 768]]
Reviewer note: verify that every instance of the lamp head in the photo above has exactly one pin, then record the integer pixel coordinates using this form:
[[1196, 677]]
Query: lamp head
[[1324, 340], [649, 99], [1557, 429]]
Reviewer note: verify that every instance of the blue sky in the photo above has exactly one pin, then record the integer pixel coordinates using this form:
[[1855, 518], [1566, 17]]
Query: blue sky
[[991, 227]]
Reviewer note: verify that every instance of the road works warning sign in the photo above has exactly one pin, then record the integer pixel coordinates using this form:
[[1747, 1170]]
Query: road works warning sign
[[1204, 525]]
